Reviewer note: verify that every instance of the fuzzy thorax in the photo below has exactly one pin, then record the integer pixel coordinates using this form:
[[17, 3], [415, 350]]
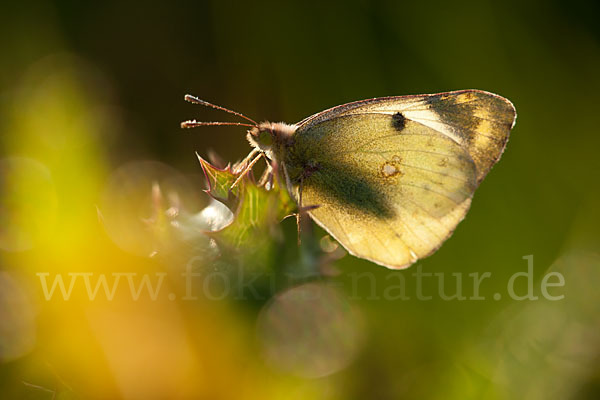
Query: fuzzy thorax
[[271, 137]]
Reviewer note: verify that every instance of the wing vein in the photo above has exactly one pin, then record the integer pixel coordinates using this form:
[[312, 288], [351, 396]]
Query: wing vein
[[429, 190]]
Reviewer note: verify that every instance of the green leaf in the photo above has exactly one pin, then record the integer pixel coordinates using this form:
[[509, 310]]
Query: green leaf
[[258, 212], [220, 181], [260, 209]]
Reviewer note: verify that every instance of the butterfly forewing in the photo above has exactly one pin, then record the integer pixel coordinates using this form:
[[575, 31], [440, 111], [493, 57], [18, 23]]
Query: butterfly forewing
[[480, 121]]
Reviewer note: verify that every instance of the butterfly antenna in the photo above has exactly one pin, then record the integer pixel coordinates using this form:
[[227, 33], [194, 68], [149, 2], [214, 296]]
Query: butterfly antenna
[[195, 100], [193, 123]]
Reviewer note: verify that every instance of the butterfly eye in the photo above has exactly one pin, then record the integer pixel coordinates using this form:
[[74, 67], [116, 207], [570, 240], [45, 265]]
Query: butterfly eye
[[264, 138]]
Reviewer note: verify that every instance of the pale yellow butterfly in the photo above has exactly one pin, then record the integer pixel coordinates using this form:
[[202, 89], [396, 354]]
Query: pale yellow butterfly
[[391, 176]]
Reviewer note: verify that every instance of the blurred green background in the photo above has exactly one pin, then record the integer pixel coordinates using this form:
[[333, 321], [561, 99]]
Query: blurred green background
[[91, 96]]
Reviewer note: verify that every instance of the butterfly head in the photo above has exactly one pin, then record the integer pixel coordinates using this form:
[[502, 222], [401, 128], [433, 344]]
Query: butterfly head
[[269, 137]]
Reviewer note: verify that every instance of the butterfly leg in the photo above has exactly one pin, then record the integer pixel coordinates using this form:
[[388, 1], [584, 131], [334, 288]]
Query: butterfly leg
[[300, 221], [246, 169], [299, 213], [266, 180], [243, 165]]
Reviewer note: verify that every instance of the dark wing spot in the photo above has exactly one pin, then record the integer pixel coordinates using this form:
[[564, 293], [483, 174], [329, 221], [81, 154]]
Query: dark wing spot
[[398, 121]]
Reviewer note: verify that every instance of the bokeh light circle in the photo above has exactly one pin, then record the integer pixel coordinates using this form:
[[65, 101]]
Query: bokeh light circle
[[28, 203], [130, 212], [310, 331], [17, 330]]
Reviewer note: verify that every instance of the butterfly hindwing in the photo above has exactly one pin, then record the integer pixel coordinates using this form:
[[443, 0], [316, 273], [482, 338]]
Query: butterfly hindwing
[[389, 196]]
